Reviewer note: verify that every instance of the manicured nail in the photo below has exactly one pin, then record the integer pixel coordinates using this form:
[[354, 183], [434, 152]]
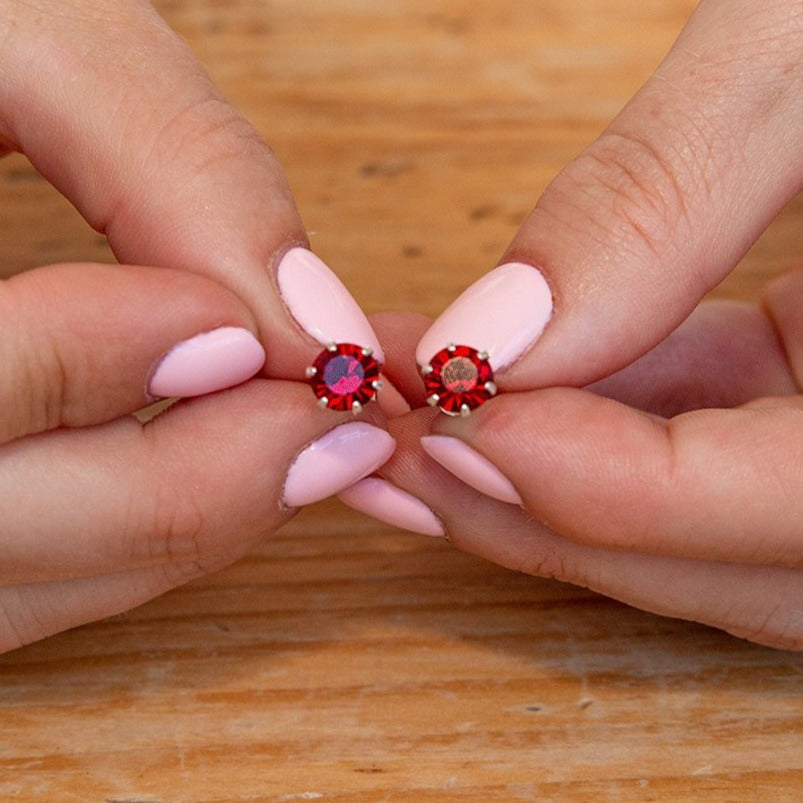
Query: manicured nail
[[207, 362], [503, 314], [471, 467], [338, 459], [321, 304], [384, 501]]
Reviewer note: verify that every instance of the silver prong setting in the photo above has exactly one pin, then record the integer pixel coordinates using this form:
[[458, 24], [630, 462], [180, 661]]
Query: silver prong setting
[[344, 377], [458, 379]]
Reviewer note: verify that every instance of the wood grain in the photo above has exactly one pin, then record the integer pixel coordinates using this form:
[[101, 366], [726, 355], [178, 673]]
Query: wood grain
[[344, 660]]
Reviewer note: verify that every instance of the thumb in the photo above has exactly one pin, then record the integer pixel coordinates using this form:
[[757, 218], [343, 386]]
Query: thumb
[[115, 111], [630, 236]]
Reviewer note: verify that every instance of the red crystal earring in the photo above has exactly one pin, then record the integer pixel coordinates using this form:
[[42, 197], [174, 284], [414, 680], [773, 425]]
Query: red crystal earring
[[458, 379], [344, 377]]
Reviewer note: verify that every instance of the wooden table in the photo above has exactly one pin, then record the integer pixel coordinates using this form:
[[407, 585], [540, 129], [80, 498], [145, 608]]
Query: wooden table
[[345, 660]]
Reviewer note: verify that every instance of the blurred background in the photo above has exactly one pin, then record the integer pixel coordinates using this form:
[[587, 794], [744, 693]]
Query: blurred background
[[344, 660]]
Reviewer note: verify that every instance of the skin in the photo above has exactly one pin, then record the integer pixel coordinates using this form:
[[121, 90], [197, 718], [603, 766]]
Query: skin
[[634, 498], [673, 480], [682, 498], [99, 512]]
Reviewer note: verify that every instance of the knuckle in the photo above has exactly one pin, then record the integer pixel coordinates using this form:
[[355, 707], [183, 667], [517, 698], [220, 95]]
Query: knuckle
[[34, 377], [203, 142], [549, 565], [639, 190], [207, 133], [170, 530], [51, 395]]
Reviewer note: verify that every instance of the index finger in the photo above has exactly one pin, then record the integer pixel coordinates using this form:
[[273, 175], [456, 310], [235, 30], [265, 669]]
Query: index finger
[[111, 106], [630, 236]]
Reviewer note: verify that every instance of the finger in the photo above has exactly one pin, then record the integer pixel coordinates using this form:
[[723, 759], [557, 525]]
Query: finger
[[34, 611], [165, 167], [399, 333], [192, 486], [714, 484], [783, 301], [85, 343], [760, 603], [631, 235], [723, 355]]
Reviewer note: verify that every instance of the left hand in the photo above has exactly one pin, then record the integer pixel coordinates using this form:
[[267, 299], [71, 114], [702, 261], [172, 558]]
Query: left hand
[[638, 487]]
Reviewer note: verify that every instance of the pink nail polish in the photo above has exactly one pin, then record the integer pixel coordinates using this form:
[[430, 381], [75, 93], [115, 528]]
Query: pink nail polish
[[321, 304], [384, 501], [207, 362], [471, 467], [503, 314], [338, 459]]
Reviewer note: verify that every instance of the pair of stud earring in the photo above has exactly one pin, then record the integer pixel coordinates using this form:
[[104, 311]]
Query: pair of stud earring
[[457, 379]]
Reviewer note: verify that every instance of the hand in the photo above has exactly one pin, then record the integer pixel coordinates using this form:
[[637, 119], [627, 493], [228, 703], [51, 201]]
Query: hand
[[112, 108], [630, 487], [100, 512]]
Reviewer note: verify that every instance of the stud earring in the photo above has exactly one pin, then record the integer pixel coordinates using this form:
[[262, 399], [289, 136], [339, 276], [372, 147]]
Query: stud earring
[[458, 379], [344, 376]]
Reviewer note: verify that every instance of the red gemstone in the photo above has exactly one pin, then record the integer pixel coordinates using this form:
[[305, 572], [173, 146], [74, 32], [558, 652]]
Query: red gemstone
[[460, 379], [344, 374]]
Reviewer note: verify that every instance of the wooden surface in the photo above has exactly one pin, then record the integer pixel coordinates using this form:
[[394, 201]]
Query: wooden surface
[[344, 660]]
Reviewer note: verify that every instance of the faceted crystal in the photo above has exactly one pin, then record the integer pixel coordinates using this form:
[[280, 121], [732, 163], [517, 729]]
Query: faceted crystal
[[459, 375], [460, 379], [345, 376]]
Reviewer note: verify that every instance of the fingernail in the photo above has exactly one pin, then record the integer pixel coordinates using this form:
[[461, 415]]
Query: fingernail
[[321, 304], [384, 501], [503, 313], [338, 459], [207, 362], [471, 467]]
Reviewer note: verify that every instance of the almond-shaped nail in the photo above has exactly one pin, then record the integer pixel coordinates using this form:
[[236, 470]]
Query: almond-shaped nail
[[386, 502], [321, 304], [338, 459], [471, 467], [207, 362], [503, 314]]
